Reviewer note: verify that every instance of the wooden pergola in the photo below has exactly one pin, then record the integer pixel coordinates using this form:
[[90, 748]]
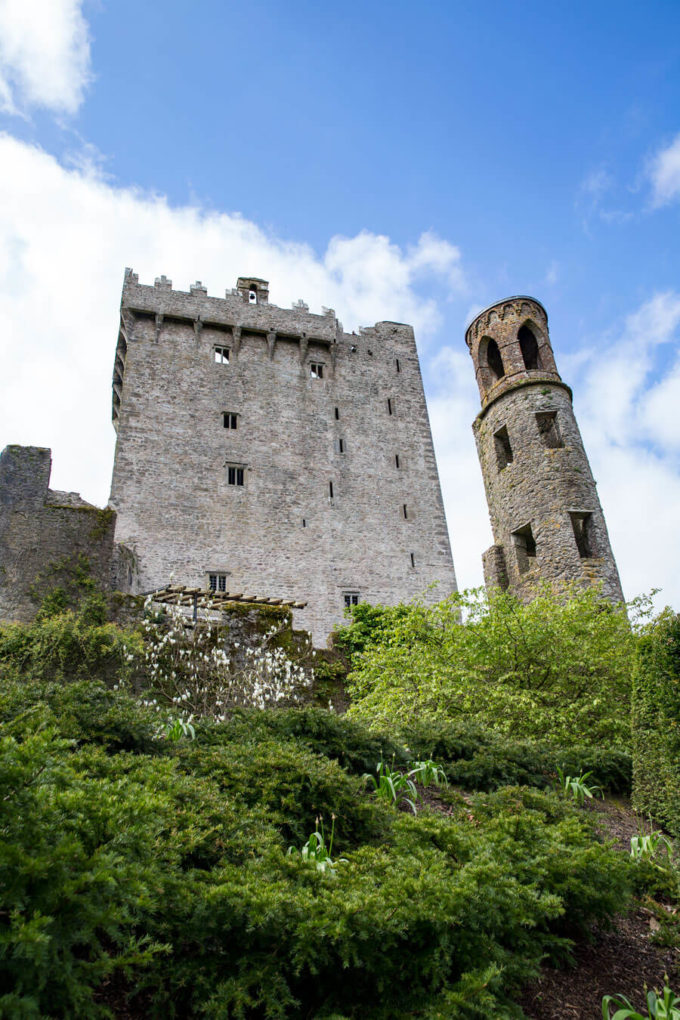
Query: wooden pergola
[[214, 601]]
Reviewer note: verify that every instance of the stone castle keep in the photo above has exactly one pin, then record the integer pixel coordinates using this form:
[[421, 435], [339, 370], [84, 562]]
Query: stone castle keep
[[265, 450]]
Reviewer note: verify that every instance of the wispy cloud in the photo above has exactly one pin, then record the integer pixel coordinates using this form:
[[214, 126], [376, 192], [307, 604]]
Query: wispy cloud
[[664, 174], [44, 55]]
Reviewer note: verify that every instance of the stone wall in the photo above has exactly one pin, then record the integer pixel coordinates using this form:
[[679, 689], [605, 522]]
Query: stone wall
[[45, 536], [340, 493], [545, 513]]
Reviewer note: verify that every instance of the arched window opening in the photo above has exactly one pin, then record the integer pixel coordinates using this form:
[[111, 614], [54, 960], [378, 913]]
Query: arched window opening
[[494, 360], [529, 348], [252, 293]]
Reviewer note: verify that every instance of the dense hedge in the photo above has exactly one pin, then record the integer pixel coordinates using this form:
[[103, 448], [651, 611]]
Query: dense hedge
[[656, 723], [158, 874]]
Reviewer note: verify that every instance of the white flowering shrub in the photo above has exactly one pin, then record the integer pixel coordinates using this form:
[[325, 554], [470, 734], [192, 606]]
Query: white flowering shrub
[[192, 674]]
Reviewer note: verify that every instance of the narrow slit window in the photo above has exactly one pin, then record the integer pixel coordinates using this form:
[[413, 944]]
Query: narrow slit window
[[221, 355], [229, 420], [390, 409], [396, 461], [582, 523], [413, 560], [235, 474], [404, 510], [316, 370], [503, 448], [304, 522], [340, 446], [397, 365], [525, 547], [549, 430], [337, 414], [330, 490]]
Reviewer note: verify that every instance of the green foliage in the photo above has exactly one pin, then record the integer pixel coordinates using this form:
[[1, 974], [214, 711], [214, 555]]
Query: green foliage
[[316, 852], [656, 723], [559, 665], [163, 869], [427, 773], [660, 1005], [648, 844], [393, 786], [575, 787]]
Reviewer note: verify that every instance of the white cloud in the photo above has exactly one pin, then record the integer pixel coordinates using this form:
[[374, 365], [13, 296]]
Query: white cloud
[[664, 173], [66, 236], [627, 388], [44, 55]]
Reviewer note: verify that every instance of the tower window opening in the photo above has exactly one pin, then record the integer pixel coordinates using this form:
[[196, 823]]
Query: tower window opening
[[304, 522], [503, 448], [582, 523], [396, 460], [494, 360], [390, 407], [340, 446], [413, 560], [397, 365], [529, 347], [221, 355], [525, 547], [316, 370], [404, 510], [229, 420], [330, 490], [337, 414], [235, 474], [548, 430], [252, 294]]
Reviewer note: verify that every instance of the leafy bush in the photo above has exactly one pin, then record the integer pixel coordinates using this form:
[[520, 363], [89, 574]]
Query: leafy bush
[[559, 665], [656, 723], [165, 867]]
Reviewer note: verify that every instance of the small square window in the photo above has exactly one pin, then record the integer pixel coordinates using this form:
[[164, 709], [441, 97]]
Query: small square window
[[582, 523], [351, 598], [217, 582], [235, 473], [316, 370], [221, 355], [525, 547], [549, 430], [503, 448], [229, 420]]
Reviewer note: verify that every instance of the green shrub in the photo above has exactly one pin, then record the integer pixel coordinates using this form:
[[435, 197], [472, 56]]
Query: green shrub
[[656, 723], [559, 665]]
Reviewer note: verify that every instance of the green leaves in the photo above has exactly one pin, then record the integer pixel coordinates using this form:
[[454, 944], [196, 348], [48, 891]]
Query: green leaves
[[661, 1006], [576, 788]]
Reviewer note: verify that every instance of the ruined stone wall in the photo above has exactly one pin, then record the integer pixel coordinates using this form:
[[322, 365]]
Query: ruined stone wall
[[545, 513], [341, 493], [45, 535]]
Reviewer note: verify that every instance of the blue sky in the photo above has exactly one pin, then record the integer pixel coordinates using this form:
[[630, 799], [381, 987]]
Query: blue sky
[[404, 161]]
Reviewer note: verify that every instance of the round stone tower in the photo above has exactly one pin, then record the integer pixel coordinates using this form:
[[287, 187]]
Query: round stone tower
[[545, 514]]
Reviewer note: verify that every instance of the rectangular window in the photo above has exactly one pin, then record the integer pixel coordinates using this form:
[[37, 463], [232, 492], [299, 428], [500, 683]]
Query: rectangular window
[[548, 430], [351, 598], [217, 582], [221, 355], [229, 420], [316, 370], [503, 449], [582, 523], [337, 414], [235, 474], [330, 490], [525, 547], [304, 522]]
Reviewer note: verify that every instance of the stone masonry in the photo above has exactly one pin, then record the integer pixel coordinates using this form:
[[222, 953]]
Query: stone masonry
[[545, 514], [45, 534], [264, 449]]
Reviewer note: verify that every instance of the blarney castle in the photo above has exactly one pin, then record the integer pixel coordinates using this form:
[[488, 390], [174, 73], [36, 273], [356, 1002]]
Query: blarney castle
[[264, 454]]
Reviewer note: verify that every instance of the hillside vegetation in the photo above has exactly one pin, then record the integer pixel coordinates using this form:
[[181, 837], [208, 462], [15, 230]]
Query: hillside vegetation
[[237, 863]]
